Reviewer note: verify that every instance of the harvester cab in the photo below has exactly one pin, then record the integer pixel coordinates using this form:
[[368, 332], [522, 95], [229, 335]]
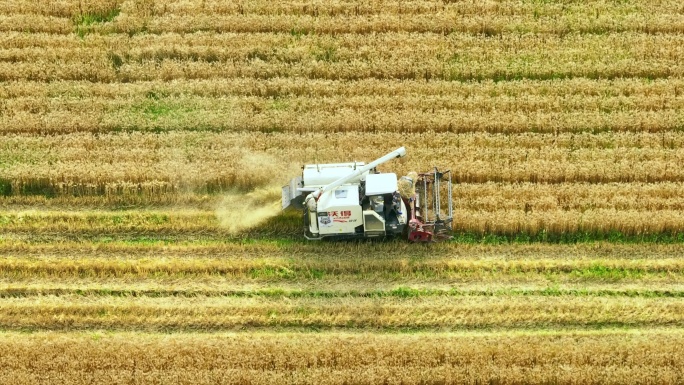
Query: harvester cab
[[353, 200]]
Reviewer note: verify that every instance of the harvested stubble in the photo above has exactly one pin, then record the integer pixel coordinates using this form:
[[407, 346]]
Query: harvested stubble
[[363, 289], [337, 358], [221, 273], [257, 265], [330, 252], [278, 279], [298, 270], [519, 94], [76, 312]]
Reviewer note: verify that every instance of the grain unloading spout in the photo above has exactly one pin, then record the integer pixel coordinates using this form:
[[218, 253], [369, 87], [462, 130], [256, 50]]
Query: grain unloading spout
[[398, 153], [292, 193]]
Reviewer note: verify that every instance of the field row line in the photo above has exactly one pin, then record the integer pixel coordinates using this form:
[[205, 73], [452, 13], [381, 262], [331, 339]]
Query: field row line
[[489, 197], [400, 68], [274, 47], [287, 268], [475, 104], [151, 164], [280, 249], [280, 234], [71, 8], [277, 117], [400, 292], [442, 312], [523, 91], [556, 222], [595, 22]]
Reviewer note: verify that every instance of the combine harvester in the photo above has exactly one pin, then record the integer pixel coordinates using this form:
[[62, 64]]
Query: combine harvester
[[353, 200]]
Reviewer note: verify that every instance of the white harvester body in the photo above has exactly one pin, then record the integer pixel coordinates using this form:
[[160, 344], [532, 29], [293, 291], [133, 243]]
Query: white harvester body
[[350, 200]]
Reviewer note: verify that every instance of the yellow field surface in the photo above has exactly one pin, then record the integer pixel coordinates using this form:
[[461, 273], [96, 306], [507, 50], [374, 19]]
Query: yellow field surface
[[337, 358], [143, 144]]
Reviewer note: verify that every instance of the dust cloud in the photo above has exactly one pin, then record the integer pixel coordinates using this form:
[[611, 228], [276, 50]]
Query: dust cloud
[[259, 197], [239, 211]]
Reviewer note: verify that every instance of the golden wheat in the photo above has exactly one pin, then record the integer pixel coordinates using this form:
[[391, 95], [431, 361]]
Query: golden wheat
[[252, 263], [614, 357], [389, 252], [351, 17], [420, 113], [182, 162], [124, 123], [489, 197], [390, 56], [220, 313], [209, 223]]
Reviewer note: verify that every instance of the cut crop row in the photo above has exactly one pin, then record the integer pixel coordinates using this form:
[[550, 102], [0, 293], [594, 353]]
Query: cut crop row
[[225, 313], [592, 224], [289, 268]]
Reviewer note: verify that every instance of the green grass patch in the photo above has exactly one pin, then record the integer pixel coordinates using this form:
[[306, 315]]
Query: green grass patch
[[5, 187], [155, 110], [326, 53], [272, 272], [90, 18], [607, 273], [83, 22]]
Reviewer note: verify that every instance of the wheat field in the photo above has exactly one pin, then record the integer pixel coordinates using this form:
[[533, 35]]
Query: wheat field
[[143, 142]]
